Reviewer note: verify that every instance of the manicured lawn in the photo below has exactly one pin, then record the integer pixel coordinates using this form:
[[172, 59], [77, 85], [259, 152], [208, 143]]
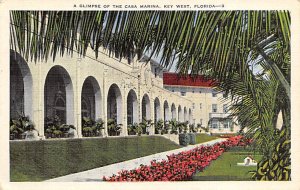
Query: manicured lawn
[[225, 167], [201, 138], [41, 160]]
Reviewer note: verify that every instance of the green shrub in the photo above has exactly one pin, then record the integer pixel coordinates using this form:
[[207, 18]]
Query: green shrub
[[192, 137], [132, 128], [91, 127], [55, 129], [19, 126], [41, 160], [159, 126], [139, 129], [184, 139], [114, 129]]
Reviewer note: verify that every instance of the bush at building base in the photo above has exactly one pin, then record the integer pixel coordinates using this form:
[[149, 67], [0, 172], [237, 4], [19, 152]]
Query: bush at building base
[[192, 137], [184, 139], [19, 127]]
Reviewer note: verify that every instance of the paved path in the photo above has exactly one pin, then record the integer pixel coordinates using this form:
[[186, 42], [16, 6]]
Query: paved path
[[96, 174]]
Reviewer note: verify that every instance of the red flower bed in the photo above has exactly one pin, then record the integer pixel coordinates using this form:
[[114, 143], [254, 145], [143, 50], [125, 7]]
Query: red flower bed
[[179, 167]]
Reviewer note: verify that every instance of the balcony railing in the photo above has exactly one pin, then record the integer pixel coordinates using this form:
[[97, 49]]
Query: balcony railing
[[218, 115]]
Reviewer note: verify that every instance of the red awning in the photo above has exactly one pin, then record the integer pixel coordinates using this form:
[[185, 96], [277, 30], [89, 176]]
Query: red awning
[[177, 80]]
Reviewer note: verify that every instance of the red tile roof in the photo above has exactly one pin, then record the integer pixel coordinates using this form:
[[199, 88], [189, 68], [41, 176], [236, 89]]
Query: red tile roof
[[176, 80]]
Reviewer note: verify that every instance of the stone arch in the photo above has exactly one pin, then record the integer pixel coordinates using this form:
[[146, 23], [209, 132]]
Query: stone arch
[[20, 87], [114, 103], [59, 95], [132, 108], [146, 107], [157, 115], [173, 111], [91, 98], [166, 111], [185, 116]]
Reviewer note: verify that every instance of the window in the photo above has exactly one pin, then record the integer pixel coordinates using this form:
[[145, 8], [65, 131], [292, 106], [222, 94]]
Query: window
[[193, 91], [172, 90], [200, 92], [214, 124], [225, 108], [214, 94], [214, 108], [224, 95], [60, 103], [183, 93], [193, 105], [227, 124], [156, 72], [200, 106]]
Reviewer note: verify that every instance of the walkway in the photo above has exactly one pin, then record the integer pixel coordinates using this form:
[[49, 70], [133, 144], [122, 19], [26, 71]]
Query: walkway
[[96, 174]]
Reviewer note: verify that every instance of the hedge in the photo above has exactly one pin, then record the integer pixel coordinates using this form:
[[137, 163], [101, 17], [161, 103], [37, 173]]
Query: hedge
[[41, 160]]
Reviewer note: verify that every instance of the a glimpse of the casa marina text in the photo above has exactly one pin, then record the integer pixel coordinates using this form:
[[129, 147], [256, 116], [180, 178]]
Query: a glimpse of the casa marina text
[[149, 6]]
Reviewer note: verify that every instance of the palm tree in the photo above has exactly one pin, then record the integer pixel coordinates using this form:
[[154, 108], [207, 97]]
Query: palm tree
[[228, 46]]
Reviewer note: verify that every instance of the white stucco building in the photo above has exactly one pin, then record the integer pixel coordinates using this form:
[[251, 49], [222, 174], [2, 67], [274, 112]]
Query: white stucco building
[[72, 87], [209, 108]]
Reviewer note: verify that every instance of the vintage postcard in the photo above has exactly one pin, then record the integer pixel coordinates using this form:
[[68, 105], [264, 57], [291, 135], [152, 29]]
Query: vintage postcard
[[149, 94]]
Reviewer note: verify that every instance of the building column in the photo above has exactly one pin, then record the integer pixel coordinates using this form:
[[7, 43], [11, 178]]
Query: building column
[[104, 102], [161, 109], [152, 114], [124, 131], [77, 99], [38, 106], [140, 102]]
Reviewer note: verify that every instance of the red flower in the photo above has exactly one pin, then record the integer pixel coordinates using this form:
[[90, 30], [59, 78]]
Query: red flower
[[181, 166]]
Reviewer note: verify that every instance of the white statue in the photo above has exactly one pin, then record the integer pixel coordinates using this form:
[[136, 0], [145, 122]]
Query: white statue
[[32, 134], [72, 132]]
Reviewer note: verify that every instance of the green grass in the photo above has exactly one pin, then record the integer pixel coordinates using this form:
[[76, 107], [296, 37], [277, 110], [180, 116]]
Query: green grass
[[201, 138], [225, 167], [41, 160]]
